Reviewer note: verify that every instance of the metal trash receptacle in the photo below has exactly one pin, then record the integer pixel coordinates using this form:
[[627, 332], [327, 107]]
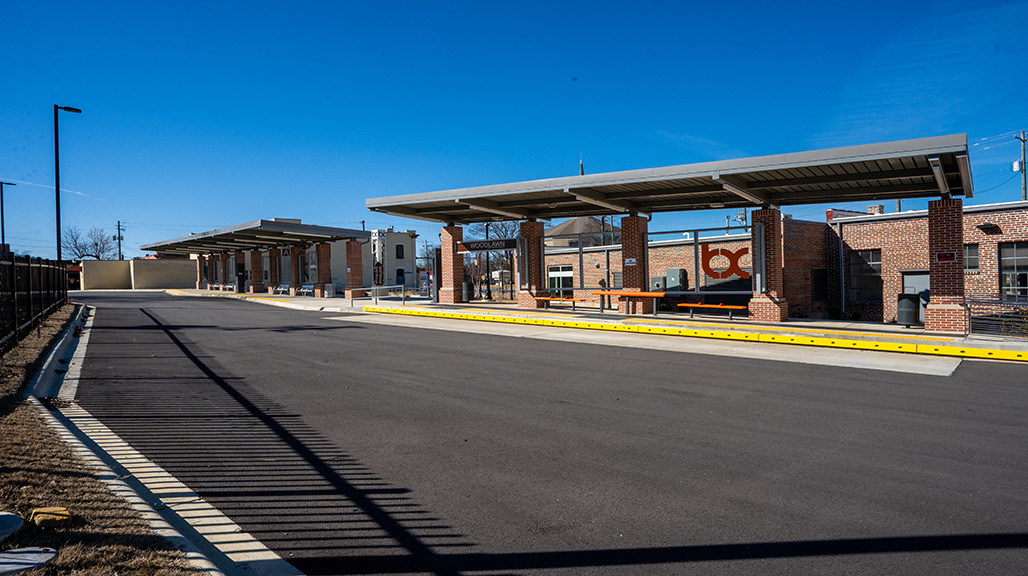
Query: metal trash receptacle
[[330, 290], [468, 290], [908, 308]]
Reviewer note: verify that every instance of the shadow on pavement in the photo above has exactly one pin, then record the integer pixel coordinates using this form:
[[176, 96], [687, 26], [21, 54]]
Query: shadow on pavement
[[326, 513]]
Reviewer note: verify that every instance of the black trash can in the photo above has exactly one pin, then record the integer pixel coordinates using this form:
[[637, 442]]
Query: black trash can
[[908, 309], [468, 290]]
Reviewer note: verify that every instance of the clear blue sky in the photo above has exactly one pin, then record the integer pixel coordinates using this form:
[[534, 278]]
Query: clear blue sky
[[198, 115]]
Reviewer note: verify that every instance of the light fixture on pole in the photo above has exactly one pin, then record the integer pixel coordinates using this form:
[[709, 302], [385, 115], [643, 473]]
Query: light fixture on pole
[[3, 237], [57, 172]]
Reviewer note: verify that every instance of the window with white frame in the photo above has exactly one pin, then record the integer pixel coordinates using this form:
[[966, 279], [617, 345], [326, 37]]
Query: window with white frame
[[561, 280], [970, 257]]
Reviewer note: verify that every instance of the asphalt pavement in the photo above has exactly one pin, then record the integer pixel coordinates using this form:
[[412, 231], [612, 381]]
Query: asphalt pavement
[[353, 447]]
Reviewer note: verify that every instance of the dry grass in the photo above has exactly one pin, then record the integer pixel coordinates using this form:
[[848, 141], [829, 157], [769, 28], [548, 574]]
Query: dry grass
[[106, 536]]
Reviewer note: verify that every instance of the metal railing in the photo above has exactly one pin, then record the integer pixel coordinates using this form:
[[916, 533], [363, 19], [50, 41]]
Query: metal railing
[[376, 292], [30, 290], [991, 315]]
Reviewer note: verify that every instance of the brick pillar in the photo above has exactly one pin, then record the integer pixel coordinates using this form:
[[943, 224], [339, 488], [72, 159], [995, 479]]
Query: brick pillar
[[945, 311], [223, 267], [294, 269], [200, 259], [324, 251], [532, 232], [256, 272], [354, 269], [240, 265], [771, 306], [273, 269], [634, 277], [450, 290]]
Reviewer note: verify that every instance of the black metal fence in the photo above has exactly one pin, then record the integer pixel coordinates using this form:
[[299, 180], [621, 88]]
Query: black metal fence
[[990, 315], [30, 290]]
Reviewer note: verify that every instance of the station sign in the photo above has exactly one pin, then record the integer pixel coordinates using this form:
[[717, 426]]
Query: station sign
[[487, 245]]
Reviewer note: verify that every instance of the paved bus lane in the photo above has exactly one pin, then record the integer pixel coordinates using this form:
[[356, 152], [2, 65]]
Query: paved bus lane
[[353, 447]]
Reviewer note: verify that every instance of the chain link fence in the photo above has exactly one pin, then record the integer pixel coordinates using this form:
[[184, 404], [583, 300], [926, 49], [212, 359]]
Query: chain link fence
[[30, 290]]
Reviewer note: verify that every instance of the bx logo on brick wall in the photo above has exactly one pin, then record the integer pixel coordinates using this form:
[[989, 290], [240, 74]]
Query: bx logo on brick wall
[[733, 268]]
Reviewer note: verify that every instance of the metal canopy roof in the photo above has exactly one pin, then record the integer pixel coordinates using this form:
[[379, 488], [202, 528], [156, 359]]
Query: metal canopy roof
[[925, 167], [254, 235]]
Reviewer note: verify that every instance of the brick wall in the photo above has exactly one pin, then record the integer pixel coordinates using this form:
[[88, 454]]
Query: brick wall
[[803, 251], [354, 269], [634, 244]]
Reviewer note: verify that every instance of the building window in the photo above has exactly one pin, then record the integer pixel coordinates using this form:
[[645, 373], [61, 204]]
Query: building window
[[617, 280], [865, 276], [561, 281], [970, 257], [266, 267], [399, 251], [1013, 271]]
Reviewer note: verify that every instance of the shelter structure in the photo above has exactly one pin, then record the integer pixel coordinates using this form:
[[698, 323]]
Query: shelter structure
[[937, 168], [276, 255]]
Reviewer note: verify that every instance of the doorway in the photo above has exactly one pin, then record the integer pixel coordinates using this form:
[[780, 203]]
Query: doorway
[[918, 283]]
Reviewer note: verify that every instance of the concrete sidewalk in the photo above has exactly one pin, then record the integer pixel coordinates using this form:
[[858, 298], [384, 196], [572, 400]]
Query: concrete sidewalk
[[823, 333]]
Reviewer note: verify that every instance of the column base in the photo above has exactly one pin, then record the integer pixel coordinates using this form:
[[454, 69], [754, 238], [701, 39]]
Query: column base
[[527, 299], [635, 305], [451, 295], [763, 308], [945, 317]]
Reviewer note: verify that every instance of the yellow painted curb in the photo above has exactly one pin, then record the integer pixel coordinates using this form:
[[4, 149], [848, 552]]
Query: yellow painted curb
[[904, 347]]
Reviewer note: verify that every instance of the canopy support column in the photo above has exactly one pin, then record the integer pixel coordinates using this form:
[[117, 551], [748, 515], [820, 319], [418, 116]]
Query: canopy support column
[[945, 311], [770, 304], [450, 289]]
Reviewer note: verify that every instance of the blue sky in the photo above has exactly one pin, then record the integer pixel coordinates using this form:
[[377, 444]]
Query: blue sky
[[198, 115]]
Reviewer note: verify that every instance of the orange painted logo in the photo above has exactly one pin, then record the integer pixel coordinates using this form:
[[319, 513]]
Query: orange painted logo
[[733, 261]]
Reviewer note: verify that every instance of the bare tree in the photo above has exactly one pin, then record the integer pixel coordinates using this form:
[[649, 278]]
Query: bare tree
[[96, 244]]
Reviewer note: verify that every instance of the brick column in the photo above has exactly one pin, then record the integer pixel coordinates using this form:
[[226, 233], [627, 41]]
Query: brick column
[[324, 251], [294, 269], [223, 267], [450, 290], [354, 269], [634, 278], [771, 306], [200, 259], [240, 265], [945, 311], [532, 232], [256, 272], [273, 269]]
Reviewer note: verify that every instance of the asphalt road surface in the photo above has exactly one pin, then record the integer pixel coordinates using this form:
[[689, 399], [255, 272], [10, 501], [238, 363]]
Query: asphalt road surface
[[359, 448]]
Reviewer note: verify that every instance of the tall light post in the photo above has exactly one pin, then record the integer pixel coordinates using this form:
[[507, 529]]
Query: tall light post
[[57, 172], [3, 237]]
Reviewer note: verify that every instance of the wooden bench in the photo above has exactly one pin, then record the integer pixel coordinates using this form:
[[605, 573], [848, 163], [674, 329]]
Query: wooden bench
[[306, 290], [547, 299], [692, 308], [281, 289], [629, 294]]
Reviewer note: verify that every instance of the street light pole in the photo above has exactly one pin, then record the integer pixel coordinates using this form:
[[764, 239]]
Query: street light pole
[[57, 173], [3, 237]]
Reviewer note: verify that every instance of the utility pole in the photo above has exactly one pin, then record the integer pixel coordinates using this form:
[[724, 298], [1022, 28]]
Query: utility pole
[[119, 238], [1024, 181]]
